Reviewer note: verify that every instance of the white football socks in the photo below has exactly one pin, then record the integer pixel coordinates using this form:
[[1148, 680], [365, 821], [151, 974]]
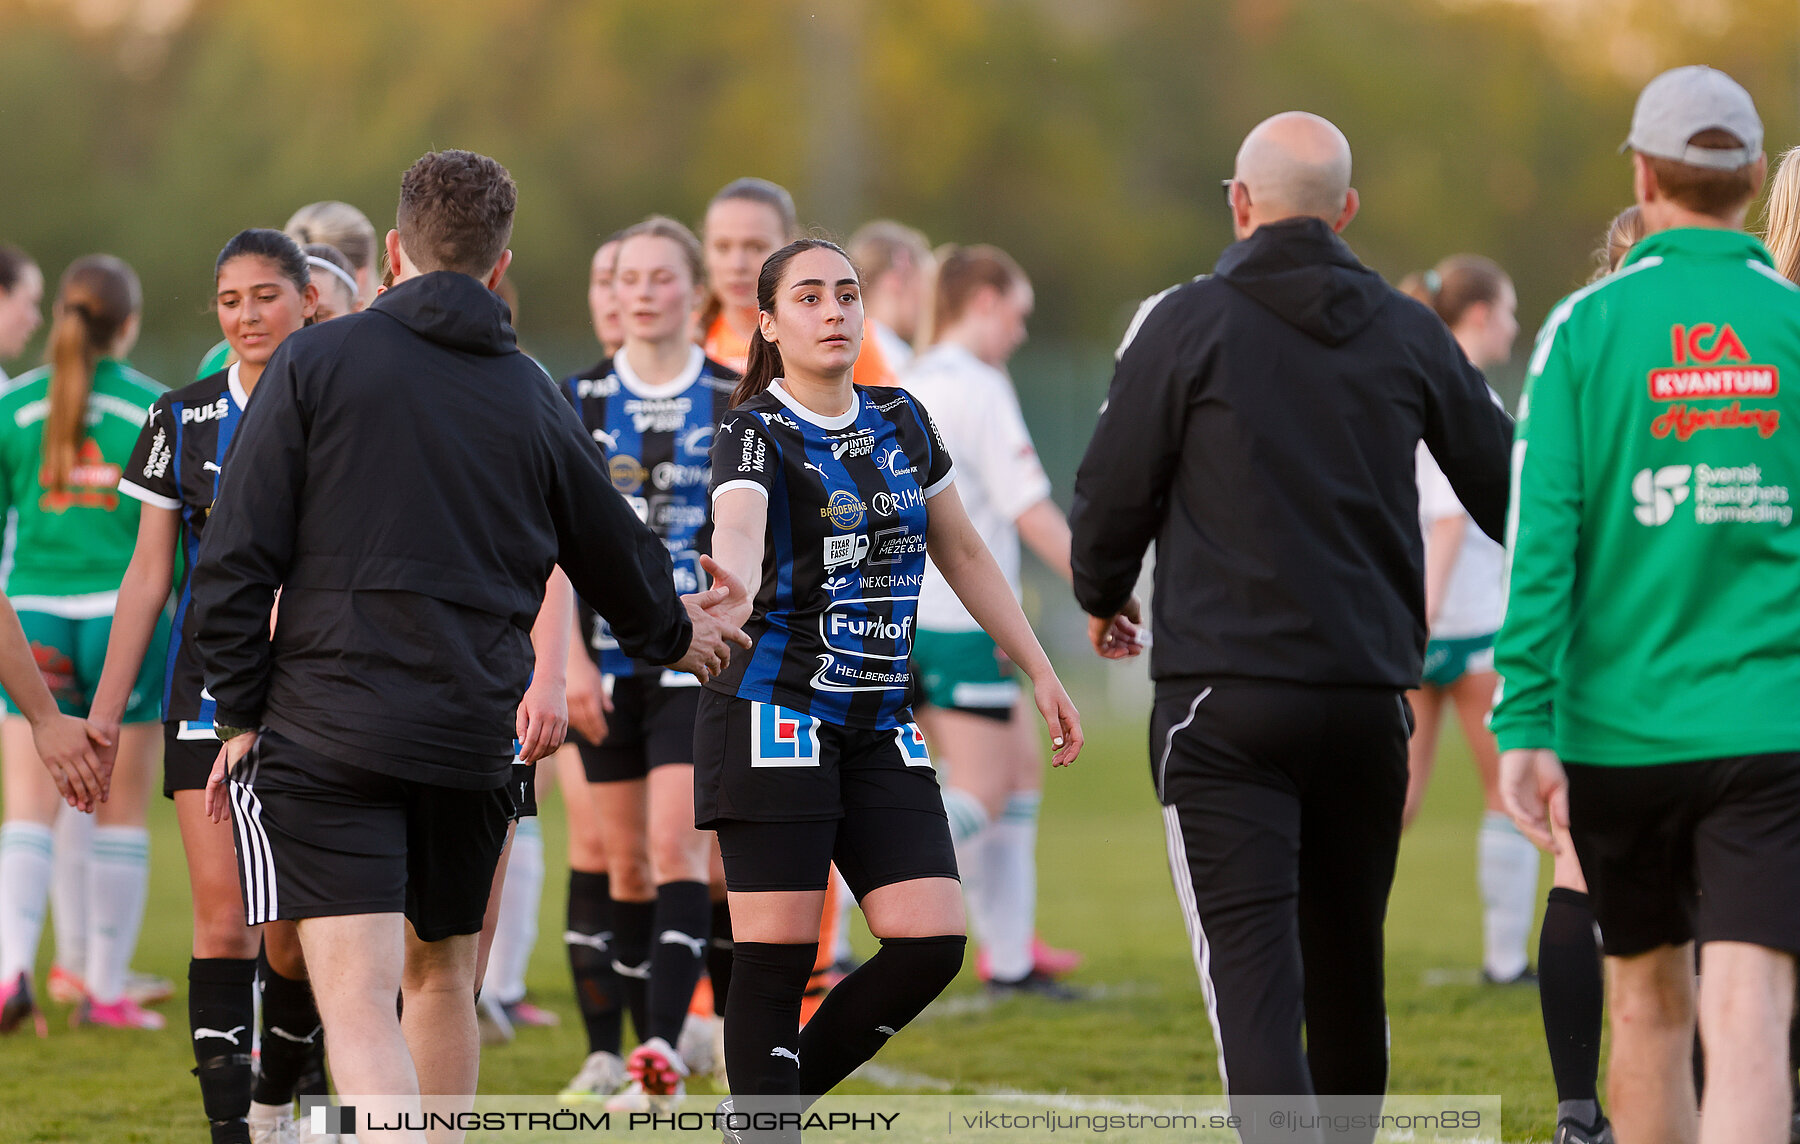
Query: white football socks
[[1508, 874], [1009, 905], [24, 889], [118, 884], [517, 931], [967, 816], [971, 858], [73, 840]]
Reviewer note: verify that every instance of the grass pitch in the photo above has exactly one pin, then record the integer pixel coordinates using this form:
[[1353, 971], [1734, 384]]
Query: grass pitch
[[1104, 890]]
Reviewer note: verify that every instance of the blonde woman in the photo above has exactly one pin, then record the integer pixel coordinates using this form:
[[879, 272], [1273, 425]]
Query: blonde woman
[[1781, 215]]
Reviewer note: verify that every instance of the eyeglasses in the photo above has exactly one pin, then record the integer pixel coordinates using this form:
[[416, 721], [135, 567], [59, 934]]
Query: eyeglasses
[[1226, 185]]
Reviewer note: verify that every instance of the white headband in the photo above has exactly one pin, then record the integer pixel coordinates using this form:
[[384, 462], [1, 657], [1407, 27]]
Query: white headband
[[322, 264]]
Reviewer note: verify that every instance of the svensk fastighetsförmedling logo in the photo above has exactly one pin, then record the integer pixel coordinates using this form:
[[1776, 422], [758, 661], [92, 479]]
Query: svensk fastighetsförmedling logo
[[1658, 491], [1721, 494]]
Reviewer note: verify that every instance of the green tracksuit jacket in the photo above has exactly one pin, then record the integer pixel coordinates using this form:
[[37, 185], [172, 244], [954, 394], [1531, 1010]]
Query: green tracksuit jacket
[[1653, 604]]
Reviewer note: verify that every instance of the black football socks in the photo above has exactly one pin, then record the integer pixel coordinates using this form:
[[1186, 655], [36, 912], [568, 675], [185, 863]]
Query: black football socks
[[632, 925], [873, 1003], [221, 1009], [589, 939], [1572, 991], [292, 1034], [762, 1021], [682, 925]]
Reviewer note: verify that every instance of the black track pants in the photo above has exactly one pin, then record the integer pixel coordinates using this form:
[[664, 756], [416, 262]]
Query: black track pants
[[1281, 805]]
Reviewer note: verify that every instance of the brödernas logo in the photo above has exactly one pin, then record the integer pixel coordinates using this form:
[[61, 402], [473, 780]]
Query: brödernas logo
[[844, 509]]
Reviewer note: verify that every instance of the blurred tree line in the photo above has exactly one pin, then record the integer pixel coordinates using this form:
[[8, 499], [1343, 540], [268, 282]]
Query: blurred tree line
[[1085, 136]]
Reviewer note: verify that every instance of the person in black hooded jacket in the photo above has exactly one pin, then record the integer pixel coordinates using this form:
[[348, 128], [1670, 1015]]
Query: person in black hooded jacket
[[1261, 428], [417, 479]]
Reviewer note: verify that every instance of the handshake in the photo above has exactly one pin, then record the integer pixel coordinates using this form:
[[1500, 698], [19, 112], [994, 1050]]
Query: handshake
[[718, 615], [79, 754]]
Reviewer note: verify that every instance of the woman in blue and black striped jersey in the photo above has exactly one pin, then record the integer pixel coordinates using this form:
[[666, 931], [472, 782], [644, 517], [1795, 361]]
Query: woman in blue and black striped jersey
[[264, 293], [828, 495]]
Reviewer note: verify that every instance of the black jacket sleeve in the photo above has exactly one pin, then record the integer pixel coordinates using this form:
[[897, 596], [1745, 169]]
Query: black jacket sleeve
[[1122, 487], [1470, 437], [249, 545], [615, 562]]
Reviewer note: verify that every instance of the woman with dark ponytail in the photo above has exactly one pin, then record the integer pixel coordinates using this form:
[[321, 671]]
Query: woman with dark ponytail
[[827, 495], [350, 233], [263, 292], [65, 432], [761, 366]]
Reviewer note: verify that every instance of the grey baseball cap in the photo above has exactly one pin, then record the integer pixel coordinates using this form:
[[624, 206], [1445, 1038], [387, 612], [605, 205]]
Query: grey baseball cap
[[1682, 102]]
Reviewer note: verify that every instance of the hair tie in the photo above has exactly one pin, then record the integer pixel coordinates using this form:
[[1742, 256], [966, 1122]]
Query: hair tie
[[334, 268], [1434, 282]]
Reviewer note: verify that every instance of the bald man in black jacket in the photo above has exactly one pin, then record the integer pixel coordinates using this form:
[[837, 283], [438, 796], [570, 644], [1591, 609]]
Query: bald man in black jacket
[[1261, 428]]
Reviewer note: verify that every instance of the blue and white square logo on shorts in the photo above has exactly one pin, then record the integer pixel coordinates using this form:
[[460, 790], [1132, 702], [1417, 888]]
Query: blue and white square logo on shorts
[[780, 737]]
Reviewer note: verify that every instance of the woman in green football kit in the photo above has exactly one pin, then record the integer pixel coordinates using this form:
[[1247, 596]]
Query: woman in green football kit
[[65, 432], [21, 312]]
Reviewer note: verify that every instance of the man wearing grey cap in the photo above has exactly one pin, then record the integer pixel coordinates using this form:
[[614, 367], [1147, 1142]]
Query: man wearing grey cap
[[1650, 654]]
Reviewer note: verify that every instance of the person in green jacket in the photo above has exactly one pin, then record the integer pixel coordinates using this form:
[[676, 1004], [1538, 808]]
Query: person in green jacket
[[66, 431], [1651, 648]]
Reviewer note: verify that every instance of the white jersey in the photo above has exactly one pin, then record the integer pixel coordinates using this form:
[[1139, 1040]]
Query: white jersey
[[1473, 600], [896, 349], [998, 472]]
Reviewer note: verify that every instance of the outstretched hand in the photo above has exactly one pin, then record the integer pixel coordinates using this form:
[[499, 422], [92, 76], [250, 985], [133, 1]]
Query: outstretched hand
[[1119, 636], [728, 598], [718, 615], [70, 750]]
